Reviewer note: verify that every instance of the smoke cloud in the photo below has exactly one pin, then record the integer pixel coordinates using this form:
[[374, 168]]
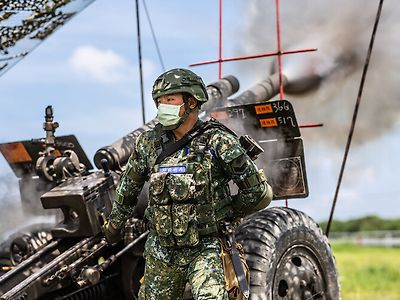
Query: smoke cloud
[[341, 31], [16, 215]]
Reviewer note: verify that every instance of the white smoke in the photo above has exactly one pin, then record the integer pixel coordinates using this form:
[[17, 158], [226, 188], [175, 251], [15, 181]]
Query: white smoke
[[15, 214], [341, 31]]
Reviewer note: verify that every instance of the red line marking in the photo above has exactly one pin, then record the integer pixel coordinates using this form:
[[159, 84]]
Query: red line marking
[[278, 37], [251, 57], [311, 125]]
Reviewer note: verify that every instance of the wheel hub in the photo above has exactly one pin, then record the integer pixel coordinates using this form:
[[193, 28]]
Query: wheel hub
[[298, 276]]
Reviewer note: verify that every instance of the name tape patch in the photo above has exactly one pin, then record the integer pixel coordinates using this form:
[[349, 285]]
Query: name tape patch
[[174, 169]]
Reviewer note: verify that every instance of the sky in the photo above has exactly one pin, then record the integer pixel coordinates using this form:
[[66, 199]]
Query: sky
[[88, 72]]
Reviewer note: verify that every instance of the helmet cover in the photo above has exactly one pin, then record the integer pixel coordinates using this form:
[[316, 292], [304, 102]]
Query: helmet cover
[[180, 81]]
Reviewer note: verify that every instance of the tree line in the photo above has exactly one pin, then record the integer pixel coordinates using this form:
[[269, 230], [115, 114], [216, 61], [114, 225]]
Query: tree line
[[368, 223]]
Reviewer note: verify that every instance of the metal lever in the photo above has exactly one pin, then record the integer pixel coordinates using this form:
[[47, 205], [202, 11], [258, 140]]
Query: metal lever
[[105, 167]]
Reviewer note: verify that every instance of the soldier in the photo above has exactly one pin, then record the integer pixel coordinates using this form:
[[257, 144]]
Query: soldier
[[188, 164]]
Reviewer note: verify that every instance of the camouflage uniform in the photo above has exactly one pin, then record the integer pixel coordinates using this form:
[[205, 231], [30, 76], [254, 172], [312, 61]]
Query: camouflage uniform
[[189, 196]]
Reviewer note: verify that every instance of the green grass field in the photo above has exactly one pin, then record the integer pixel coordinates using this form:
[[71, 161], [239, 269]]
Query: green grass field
[[368, 272]]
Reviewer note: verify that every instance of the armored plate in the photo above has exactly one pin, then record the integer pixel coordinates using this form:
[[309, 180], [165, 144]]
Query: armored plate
[[274, 126], [22, 155], [263, 121], [285, 168]]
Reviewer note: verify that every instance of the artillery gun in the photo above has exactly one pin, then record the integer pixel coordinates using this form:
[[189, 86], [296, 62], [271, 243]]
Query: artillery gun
[[288, 256]]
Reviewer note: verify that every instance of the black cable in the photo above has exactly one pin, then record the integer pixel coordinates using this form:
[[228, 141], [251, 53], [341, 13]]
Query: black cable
[[140, 60], [154, 35], [355, 113]]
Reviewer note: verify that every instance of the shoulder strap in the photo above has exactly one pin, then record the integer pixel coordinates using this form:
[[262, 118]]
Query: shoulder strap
[[162, 138], [216, 124], [171, 148]]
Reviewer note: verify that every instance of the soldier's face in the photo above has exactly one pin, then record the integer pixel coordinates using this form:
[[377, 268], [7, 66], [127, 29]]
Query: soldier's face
[[176, 99], [172, 99]]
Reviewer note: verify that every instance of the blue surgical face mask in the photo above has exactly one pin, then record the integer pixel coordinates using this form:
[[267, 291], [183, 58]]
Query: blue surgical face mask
[[168, 115]]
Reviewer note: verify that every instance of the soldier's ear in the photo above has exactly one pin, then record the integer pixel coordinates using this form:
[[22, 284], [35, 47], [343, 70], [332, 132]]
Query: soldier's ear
[[192, 103]]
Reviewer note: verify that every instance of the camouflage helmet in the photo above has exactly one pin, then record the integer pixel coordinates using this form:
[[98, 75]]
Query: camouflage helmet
[[180, 81]]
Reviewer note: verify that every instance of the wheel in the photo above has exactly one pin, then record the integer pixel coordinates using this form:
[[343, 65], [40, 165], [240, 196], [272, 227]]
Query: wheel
[[132, 270], [288, 255]]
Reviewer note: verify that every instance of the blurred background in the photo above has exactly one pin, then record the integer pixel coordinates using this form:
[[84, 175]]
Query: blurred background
[[88, 71]]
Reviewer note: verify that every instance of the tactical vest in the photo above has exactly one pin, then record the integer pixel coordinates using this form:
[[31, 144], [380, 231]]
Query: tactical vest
[[184, 203]]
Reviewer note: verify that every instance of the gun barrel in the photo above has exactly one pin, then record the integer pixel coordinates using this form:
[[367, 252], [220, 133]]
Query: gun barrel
[[262, 91], [219, 91], [118, 152], [298, 77]]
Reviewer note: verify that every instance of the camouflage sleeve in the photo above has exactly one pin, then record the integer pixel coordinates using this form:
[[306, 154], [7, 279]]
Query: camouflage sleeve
[[130, 185], [254, 191]]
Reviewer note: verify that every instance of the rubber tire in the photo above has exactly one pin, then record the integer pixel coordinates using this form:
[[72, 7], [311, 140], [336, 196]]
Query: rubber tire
[[276, 237], [132, 270]]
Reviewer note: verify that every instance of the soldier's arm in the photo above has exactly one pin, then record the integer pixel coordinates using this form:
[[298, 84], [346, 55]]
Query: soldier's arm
[[254, 191], [130, 185]]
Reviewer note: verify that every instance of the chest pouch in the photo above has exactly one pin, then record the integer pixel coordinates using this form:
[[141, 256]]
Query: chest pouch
[[185, 225], [159, 209], [181, 187], [157, 192], [172, 209], [182, 190]]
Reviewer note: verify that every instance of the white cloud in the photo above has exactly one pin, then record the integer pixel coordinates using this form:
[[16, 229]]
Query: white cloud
[[101, 65], [106, 66]]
